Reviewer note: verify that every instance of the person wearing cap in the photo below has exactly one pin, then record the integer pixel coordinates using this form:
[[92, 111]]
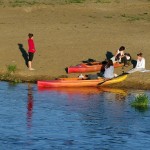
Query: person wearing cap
[[140, 66], [31, 50]]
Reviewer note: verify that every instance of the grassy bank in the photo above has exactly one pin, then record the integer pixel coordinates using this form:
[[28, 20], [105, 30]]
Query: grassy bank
[[20, 3]]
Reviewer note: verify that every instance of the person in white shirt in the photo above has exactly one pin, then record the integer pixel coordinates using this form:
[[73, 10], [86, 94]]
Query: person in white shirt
[[140, 66], [118, 55], [109, 70]]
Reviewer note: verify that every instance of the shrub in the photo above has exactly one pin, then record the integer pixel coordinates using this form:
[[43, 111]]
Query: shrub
[[11, 68], [74, 1], [141, 101], [103, 1]]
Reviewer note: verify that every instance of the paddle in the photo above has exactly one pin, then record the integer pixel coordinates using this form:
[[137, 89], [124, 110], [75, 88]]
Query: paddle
[[111, 78]]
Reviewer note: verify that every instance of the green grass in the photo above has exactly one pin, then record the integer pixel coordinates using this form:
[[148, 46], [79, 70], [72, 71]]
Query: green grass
[[137, 17], [1, 2], [19, 3], [117, 1], [108, 17], [11, 68], [74, 1], [103, 1], [140, 102], [131, 18]]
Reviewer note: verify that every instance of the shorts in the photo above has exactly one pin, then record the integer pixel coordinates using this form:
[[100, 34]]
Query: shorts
[[31, 56]]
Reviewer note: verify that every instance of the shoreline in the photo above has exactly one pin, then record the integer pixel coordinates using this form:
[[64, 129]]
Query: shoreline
[[31, 77]]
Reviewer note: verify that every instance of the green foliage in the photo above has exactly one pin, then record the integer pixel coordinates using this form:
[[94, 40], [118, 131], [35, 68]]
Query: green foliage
[[11, 68], [108, 17], [19, 3], [1, 2], [74, 1], [117, 1], [140, 102], [15, 81], [131, 18], [143, 16], [103, 1]]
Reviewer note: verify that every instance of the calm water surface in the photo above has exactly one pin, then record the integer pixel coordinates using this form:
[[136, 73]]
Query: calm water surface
[[71, 119]]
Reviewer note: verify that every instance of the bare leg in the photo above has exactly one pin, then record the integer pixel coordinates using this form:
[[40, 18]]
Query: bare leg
[[30, 65]]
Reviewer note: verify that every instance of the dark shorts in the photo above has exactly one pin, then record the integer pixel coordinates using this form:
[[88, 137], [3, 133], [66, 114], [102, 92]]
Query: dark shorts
[[31, 56]]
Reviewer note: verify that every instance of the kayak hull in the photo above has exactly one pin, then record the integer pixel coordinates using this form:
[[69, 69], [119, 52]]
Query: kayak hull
[[75, 82], [82, 68]]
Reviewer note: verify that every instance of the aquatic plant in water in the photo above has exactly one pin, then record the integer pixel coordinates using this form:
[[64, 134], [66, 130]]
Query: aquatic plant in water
[[140, 102]]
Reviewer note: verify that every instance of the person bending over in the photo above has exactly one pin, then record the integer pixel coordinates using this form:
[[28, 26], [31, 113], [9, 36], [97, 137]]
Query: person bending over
[[118, 55]]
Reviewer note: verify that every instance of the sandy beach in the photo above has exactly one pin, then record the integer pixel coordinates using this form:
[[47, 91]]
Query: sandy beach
[[67, 34]]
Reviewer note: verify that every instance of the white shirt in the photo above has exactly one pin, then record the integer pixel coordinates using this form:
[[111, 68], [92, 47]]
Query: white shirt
[[128, 57], [140, 64], [109, 72]]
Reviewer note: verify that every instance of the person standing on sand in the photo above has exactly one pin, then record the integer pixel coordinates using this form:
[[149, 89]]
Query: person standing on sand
[[31, 50]]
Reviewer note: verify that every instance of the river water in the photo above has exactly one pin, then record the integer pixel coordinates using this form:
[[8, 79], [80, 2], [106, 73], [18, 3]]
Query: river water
[[71, 119]]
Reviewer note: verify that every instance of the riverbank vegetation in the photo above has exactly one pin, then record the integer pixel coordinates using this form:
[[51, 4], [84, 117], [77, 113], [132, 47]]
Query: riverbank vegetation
[[20, 3], [141, 102]]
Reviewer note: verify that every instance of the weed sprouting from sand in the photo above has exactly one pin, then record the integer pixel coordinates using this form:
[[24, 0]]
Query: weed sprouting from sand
[[1, 2], [74, 1], [132, 17], [11, 68], [92, 17], [103, 1], [137, 17], [10, 76], [141, 102], [108, 17], [19, 3], [117, 1]]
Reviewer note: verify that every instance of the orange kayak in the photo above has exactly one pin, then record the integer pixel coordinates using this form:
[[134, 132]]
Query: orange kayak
[[76, 82], [82, 68]]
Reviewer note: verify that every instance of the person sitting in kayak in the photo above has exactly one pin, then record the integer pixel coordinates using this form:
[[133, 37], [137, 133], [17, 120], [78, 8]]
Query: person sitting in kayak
[[109, 70]]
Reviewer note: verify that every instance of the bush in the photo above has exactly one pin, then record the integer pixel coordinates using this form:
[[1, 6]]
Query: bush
[[11, 68], [140, 101], [74, 1]]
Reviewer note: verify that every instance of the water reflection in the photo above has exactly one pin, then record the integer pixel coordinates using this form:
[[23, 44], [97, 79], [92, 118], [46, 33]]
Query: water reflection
[[29, 106], [93, 119], [87, 91]]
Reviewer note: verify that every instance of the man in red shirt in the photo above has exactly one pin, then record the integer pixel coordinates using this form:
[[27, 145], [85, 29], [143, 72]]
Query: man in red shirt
[[31, 50]]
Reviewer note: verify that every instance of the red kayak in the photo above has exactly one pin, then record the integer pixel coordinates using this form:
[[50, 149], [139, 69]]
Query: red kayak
[[76, 82], [82, 68]]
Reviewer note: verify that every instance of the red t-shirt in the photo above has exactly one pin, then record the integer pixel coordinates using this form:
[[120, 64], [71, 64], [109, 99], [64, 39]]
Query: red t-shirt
[[31, 46]]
